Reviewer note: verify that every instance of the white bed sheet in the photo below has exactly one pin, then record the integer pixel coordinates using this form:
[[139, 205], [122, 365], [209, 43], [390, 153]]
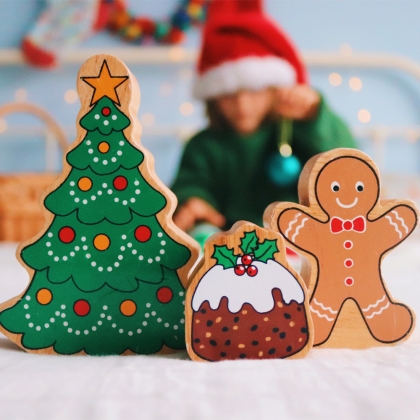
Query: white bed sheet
[[379, 383]]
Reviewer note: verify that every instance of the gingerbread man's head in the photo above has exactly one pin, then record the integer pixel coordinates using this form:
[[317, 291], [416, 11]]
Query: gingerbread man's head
[[347, 186]]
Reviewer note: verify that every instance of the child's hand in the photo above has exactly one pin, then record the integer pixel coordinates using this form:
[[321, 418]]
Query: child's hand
[[197, 210], [299, 102]]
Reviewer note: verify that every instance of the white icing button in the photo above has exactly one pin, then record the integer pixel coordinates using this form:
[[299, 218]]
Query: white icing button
[[349, 281], [348, 263]]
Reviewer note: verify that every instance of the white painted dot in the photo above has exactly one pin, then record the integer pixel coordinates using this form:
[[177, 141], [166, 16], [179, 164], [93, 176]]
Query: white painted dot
[[88, 256], [148, 305], [99, 322], [48, 244], [57, 313], [137, 191], [102, 315], [28, 298], [175, 327], [106, 122], [124, 202], [76, 248], [72, 193], [30, 325], [149, 260], [63, 306], [105, 162], [72, 254], [114, 117], [65, 258], [50, 253], [116, 264], [134, 251], [56, 258], [77, 332], [119, 153], [159, 320], [109, 317], [182, 321], [166, 325], [63, 315], [114, 325], [65, 323], [121, 143], [163, 243], [76, 200], [129, 244], [26, 306], [38, 328], [160, 234], [157, 259], [153, 313], [139, 331], [114, 159], [130, 333], [132, 200], [85, 201], [120, 257], [144, 323], [86, 332], [90, 151], [116, 199], [141, 258], [99, 192], [105, 307], [70, 330], [88, 142], [162, 251], [27, 316], [83, 239], [72, 184], [93, 264], [50, 234], [85, 247], [95, 159], [109, 269], [147, 315], [94, 328], [136, 182], [124, 237], [100, 269], [109, 191], [97, 117], [93, 198], [104, 185], [122, 248], [181, 293], [120, 330], [47, 325]]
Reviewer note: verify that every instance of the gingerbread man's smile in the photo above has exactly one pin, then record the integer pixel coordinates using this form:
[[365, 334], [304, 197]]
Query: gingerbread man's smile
[[346, 206]]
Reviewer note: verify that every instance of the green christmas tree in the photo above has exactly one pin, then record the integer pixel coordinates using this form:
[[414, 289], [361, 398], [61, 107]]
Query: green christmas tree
[[105, 272]]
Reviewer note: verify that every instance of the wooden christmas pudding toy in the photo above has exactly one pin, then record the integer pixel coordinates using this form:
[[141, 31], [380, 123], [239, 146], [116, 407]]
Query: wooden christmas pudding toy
[[109, 270], [345, 231], [245, 301]]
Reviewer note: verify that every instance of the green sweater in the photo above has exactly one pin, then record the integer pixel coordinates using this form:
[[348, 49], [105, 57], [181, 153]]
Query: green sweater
[[229, 171]]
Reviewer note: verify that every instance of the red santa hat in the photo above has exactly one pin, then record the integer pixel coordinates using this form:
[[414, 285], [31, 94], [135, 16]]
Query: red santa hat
[[243, 49]]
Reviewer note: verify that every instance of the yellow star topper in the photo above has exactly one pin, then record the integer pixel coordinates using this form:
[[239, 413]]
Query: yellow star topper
[[105, 84]]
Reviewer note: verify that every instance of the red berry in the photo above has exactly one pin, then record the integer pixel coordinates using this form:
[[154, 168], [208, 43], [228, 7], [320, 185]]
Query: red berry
[[246, 259], [252, 271], [81, 307], [106, 111], [143, 233], [164, 295], [66, 234], [120, 183], [239, 270]]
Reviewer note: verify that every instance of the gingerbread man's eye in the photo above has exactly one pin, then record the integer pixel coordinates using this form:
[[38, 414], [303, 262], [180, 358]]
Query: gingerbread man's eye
[[360, 186], [335, 186]]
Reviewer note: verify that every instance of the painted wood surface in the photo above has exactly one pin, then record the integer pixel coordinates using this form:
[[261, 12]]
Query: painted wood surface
[[344, 230]]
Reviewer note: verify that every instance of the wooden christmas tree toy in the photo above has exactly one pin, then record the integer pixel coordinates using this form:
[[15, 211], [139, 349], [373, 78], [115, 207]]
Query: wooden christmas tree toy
[[245, 301], [109, 270], [345, 231]]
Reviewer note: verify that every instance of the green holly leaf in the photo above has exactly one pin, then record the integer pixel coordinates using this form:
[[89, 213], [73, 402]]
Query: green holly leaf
[[249, 242], [266, 250], [224, 256]]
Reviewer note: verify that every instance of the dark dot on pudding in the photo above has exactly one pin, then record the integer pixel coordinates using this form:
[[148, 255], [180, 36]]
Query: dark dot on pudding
[[213, 343], [222, 354], [271, 351], [299, 308], [203, 311], [209, 323], [236, 319], [227, 343], [289, 348], [242, 356], [282, 335], [276, 329], [287, 316], [224, 329], [254, 327], [255, 343], [197, 340], [304, 330]]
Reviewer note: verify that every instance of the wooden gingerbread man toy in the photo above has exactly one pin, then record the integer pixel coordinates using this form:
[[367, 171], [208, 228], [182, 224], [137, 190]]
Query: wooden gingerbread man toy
[[345, 230]]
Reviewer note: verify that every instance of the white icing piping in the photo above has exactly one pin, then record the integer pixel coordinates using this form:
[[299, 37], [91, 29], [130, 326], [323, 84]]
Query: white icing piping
[[401, 220], [374, 305], [395, 226]]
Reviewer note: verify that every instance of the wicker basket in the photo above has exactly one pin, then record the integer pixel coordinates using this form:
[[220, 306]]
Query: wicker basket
[[21, 216]]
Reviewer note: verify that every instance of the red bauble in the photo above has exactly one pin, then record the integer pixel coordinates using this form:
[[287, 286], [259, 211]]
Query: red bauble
[[252, 271], [246, 259], [81, 307], [120, 183], [66, 234], [143, 233], [106, 111], [164, 295], [239, 270]]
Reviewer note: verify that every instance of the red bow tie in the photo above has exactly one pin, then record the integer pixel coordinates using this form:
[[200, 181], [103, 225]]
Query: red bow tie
[[358, 224]]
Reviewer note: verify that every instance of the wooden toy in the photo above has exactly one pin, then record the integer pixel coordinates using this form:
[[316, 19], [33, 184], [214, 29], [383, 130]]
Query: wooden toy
[[109, 270], [245, 301], [345, 230]]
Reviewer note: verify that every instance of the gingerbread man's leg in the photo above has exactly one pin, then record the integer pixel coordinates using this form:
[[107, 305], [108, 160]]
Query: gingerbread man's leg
[[388, 322]]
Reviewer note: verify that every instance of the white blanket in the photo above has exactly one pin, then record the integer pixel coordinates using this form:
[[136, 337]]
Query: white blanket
[[379, 383]]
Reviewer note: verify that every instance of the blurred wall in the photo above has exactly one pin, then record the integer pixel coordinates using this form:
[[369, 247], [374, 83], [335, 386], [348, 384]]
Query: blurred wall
[[390, 97]]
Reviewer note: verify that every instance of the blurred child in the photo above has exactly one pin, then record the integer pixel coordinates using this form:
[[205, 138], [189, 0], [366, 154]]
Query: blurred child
[[255, 88]]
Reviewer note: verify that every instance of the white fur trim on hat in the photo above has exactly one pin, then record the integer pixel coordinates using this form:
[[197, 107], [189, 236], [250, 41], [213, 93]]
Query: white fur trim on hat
[[252, 73]]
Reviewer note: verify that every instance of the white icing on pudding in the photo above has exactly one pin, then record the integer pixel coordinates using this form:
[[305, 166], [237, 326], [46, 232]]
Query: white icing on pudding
[[257, 291]]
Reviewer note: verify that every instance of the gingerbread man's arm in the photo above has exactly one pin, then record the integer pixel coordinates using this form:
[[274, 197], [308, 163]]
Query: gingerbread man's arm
[[296, 223], [394, 222]]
